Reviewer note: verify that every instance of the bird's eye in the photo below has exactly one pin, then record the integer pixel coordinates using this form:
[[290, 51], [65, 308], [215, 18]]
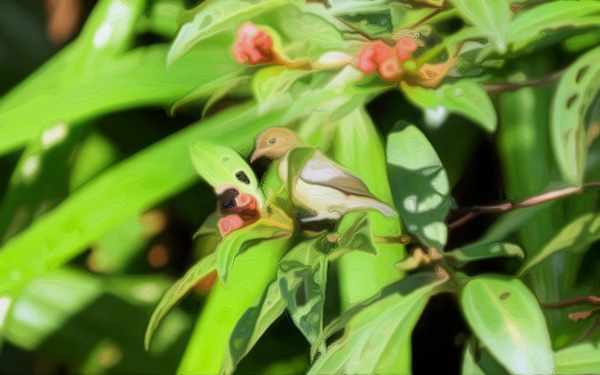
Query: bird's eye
[[272, 141]]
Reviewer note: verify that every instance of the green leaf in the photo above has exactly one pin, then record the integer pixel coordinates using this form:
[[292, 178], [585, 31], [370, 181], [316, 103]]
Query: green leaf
[[209, 349], [112, 84], [224, 168], [492, 18], [177, 291], [419, 185], [272, 82], [475, 252], [255, 321], [302, 278], [535, 23], [507, 318], [573, 236], [477, 361], [378, 329], [124, 190], [580, 358], [574, 95], [464, 97], [213, 17], [240, 240]]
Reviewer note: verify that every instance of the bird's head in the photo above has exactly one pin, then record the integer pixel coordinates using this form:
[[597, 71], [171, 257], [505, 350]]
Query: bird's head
[[273, 143]]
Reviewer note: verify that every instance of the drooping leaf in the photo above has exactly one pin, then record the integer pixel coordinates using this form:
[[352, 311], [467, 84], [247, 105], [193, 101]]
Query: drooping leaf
[[255, 321], [177, 291], [491, 17], [240, 240], [378, 329], [272, 82], [419, 185], [209, 349], [481, 251], [302, 279], [506, 317], [224, 168], [213, 17], [464, 97], [542, 20], [576, 90], [573, 236]]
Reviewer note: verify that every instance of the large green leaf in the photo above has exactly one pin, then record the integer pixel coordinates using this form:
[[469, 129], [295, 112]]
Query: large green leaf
[[580, 358], [224, 168], [491, 17], [255, 321], [177, 291], [213, 17], [122, 191], [272, 82], [302, 279], [240, 240], [210, 350], [508, 320], [464, 97], [536, 23], [55, 95], [574, 236], [576, 90], [419, 185], [377, 329]]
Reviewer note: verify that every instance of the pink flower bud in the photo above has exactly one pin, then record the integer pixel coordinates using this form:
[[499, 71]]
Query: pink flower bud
[[229, 224], [371, 55], [253, 45], [389, 69], [404, 47]]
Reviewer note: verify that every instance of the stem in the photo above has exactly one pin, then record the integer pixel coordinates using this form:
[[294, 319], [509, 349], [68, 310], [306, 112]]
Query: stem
[[594, 300], [529, 202], [502, 87]]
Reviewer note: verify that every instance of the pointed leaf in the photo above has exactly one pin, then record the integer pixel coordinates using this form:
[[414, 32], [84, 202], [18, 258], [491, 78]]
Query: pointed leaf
[[240, 240], [224, 168], [577, 234], [177, 291], [464, 97], [475, 252], [255, 321], [491, 17], [575, 93], [419, 185], [377, 329], [508, 320]]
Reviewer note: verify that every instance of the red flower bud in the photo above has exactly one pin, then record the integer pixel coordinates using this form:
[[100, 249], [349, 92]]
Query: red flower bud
[[229, 224], [404, 47], [372, 55], [253, 45]]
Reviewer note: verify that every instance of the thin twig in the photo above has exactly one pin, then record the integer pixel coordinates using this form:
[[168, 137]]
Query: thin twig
[[594, 300], [501, 87], [529, 202]]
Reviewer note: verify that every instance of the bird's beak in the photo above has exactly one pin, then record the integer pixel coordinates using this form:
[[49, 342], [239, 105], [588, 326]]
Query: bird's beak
[[255, 155]]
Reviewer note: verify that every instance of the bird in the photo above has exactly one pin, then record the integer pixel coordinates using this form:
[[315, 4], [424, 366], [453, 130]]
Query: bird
[[320, 188]]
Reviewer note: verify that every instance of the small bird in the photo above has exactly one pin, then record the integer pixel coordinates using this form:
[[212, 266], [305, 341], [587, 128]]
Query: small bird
[[317, 185]]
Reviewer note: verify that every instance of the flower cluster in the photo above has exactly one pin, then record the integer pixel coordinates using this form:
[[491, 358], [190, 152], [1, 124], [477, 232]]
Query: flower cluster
[[253, 45], [236, 210], [385, 59]]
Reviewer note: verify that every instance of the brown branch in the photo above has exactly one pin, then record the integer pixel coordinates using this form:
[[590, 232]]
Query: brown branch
[[593, 300], [502, 87], [529, 202]]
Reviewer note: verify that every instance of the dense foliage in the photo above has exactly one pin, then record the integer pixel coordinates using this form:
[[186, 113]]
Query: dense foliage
[[476, 120]]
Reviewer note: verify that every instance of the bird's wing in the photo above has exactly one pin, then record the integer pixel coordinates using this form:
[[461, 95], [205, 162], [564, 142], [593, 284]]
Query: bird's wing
[[322, 171]]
